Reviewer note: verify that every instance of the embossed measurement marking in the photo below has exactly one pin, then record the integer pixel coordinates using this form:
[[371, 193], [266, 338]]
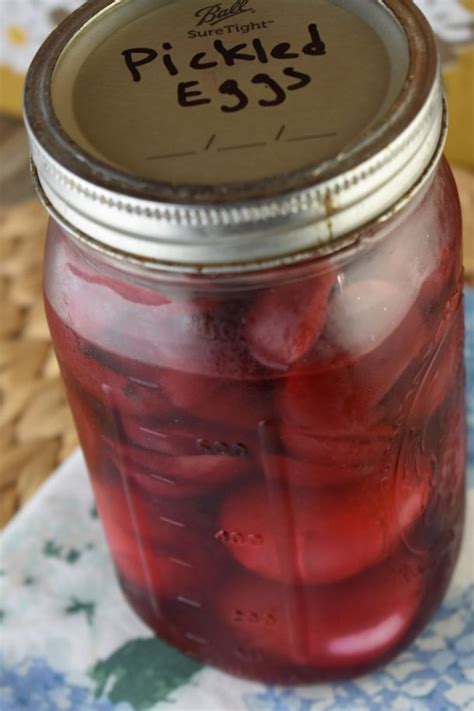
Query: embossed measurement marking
[[182, 563], [252, 617], [163, 479], [222, 448], [252, 655], [177, 524], [195, 638], [189, 602], [145, 383], [239, 539], [154, 433]]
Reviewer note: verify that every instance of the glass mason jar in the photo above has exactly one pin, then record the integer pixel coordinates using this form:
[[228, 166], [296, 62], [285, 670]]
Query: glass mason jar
[[266, 375]]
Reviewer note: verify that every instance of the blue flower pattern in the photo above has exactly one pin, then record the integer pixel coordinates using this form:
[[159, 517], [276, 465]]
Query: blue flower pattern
[[33, 685]]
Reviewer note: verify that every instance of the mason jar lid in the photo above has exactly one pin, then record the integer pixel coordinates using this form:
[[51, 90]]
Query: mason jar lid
[[223, 137]]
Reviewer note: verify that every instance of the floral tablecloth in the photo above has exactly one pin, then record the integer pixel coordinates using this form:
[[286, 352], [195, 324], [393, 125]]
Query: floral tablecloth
[[68, 641]]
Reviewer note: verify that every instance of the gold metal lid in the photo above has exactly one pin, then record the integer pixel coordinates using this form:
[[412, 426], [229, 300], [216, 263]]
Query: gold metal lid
[[220, 136]]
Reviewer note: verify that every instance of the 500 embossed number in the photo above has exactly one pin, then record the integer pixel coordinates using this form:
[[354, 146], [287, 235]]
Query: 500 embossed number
[[239, 539]]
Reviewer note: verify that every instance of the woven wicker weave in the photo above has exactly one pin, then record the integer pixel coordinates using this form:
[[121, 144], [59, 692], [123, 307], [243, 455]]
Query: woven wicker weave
[[36, 428]]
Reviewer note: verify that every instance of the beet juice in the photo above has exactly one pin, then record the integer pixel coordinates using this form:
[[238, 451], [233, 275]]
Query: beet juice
[[257, 312]]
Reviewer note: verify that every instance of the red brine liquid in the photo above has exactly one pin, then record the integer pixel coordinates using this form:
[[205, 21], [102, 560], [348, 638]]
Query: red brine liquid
[[279, 468]]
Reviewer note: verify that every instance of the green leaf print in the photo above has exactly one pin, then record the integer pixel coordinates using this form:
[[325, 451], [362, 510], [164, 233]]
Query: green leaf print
[[76, 607], [53, 550], [72, 556], [142, 673]]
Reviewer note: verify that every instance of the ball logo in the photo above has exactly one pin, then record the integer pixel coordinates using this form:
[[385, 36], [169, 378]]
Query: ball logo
[[213, 14]]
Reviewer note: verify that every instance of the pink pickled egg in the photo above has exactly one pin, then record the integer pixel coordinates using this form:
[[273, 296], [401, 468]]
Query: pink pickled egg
[[375, 337], [286, 321], [328, 461], [178, 476], [341, 625], [314, 536], [101, 284], [443, 372], [233, 405]]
